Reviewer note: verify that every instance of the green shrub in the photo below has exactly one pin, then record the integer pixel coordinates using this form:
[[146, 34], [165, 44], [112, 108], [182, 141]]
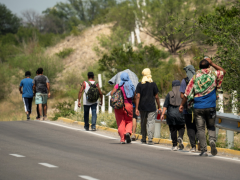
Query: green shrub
[[65, 52], [64, 109]]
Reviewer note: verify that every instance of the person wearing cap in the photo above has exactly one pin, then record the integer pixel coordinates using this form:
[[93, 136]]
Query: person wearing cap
[[190, 121], [26, 89], [41, 88], [175, 120], [147, 94], [86, 104]]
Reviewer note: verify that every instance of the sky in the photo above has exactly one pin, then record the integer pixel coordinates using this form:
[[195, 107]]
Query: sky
[[18, 6]]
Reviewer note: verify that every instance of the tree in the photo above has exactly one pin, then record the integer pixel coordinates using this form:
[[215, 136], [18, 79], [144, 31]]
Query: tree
[[32, 19], [222, 28], [9, 23], [172, 22]]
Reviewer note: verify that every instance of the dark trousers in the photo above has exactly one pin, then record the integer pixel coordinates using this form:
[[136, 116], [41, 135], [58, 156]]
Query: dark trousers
[[28, 104], [205, 116], [191, 129], [86, 115], [174, 129]]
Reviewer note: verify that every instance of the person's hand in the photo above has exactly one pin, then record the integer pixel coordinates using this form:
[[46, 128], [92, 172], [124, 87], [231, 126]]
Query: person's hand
[[100, 104], [181, 108], [162, 117], [209, 60], [21, 92], [137, 112], [49, 95], [79, 104]]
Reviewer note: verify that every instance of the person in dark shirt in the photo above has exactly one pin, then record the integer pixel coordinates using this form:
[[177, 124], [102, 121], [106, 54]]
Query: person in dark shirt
[[175, 119], [147, 94], [41, 89]]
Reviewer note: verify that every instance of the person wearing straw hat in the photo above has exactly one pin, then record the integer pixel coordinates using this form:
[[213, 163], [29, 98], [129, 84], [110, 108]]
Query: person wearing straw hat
[[147, 94]]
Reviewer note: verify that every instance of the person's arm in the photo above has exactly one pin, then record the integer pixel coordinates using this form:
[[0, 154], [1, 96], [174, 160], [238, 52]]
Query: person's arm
[[181, 107], [80, 94], [48, 88], [157, 100], [182, 95], [113, 91], [216, 66], [137, 103], [34, 89], [163, 113], [20, 89], [101, 95], [134, 98]]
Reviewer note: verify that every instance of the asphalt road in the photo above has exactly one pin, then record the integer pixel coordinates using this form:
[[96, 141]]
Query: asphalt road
[[32, 150]]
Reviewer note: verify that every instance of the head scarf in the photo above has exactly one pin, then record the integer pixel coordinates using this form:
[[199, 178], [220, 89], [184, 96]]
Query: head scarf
[[190, 70], [129, 88], [175, 95], [147, 77]]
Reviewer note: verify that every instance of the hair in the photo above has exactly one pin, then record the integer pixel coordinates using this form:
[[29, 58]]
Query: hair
[[40, 70], [27, 73], [90, 76], [204, 64]]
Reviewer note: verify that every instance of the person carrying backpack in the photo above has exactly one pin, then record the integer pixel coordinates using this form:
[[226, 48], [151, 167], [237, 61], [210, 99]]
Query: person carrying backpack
[[90, 100], [121, 101]]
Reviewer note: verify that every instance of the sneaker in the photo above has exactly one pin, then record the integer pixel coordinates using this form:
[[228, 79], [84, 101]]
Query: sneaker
[[87, 129], [150, 143], [213, 148], [28, 117], [180, 143], [41, 118], [143, 141], [133, 138], [45, 118], [193, 149], [203, 154], [128, 137], [174, 148], [122, 142], [93, 129]]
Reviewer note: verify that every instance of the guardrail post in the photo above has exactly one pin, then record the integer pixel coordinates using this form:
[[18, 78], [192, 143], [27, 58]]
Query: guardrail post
[[103, 105]]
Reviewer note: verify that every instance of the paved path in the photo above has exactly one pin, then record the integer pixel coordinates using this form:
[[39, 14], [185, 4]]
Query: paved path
[[32, 150]]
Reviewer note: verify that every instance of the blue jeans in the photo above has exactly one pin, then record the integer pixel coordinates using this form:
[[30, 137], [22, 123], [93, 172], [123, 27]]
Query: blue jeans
[[86, 116]]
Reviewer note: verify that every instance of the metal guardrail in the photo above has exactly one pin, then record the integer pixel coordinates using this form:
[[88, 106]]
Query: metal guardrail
[[228, 121]]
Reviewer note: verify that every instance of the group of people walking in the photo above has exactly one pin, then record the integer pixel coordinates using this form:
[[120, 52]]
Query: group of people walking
[[38, 87], [192, 102]]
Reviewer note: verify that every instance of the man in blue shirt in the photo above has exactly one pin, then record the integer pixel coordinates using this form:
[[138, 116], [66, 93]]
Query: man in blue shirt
[[26, 89]]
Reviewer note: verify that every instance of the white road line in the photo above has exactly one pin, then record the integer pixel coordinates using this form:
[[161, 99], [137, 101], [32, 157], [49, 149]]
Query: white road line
[[16, 155], [48, 165], [158, 147], [87, 177]]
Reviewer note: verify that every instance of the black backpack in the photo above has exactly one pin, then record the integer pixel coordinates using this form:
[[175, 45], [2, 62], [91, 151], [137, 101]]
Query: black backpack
[[93, 94]]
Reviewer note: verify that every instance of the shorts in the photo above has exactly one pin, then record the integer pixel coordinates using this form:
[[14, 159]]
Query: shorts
[[27, 104], [41, 98], [134, 113]]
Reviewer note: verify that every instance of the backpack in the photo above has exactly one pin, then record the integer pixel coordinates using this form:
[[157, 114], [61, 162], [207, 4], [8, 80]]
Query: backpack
[[117, 99], [93, 94]]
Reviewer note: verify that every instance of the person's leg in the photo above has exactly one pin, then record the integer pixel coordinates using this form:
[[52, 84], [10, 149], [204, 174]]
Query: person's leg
[[128, 116], [181, 130], [119, 114], [44, 111], [199, 115], [134, 122], [143, 125], [151, 125], [173, 131], [25, 106], [39, 101], [40, 108], [191, 129], [28, 106], [94, 116], [210, 121], [86, 117], [37, 109]]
